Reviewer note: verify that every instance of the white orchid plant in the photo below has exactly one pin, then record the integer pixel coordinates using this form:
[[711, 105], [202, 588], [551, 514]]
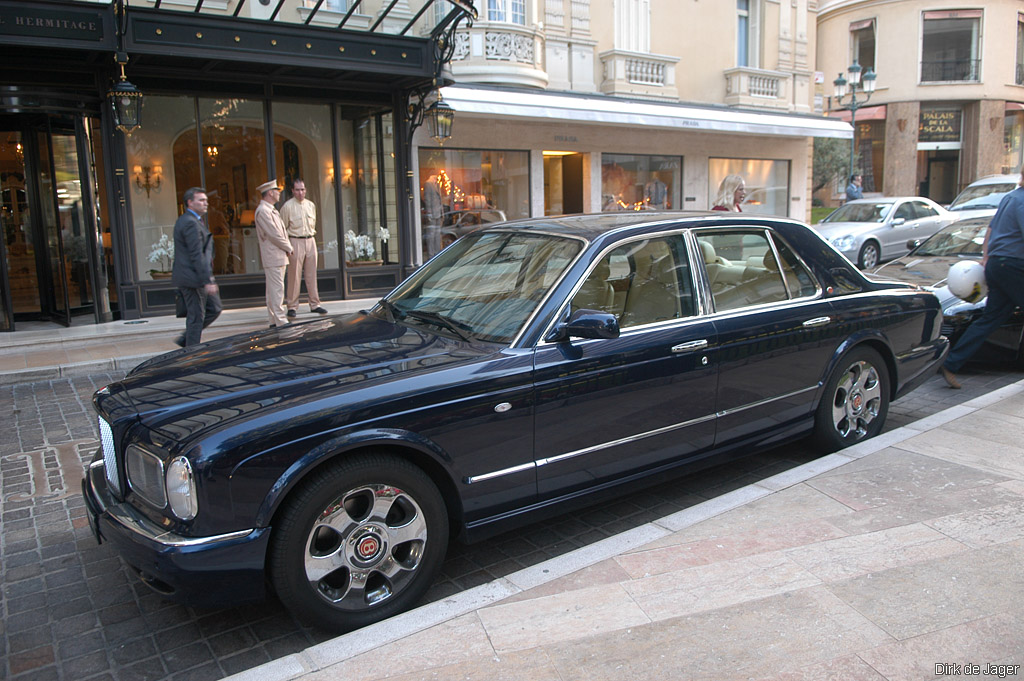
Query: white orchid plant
[[162, 252], [359, 246]]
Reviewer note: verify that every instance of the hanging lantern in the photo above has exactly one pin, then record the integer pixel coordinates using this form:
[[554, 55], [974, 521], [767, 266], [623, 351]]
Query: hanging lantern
[[440, 118], [125, 101]]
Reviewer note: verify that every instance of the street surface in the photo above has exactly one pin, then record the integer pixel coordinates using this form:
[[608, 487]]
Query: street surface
[[71, 610]]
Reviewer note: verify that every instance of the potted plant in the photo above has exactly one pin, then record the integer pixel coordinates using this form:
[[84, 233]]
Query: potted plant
[[162, 253], [359, 250]]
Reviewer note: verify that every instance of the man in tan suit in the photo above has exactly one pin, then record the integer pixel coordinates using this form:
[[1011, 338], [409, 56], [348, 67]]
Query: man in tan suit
[[274, 250], [299, 217]]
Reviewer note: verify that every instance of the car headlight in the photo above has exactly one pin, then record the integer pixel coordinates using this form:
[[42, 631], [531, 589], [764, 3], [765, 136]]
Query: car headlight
[[181, 489], [844, 243], [146, 475]]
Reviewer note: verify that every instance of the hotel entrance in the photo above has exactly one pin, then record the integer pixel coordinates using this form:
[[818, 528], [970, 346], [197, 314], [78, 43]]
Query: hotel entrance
[[53, 255]]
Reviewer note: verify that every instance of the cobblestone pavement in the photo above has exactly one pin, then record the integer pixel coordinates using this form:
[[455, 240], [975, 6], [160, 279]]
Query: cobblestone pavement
[[71, 610]]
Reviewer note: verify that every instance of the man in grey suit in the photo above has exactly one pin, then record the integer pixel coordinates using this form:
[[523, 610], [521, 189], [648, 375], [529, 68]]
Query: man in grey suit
[[193, 268]]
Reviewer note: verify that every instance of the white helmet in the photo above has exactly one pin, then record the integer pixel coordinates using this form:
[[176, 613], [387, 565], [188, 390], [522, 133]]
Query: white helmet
[[966, 280]]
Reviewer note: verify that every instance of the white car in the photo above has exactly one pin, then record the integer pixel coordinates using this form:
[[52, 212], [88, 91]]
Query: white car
[[871, 231], [981, 197]]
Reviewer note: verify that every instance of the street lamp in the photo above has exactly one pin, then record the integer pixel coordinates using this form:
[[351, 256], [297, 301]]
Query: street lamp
[[866, 86]]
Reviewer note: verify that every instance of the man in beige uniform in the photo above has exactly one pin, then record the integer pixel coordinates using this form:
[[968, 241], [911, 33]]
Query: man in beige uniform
[[299, 216], [274, 250]]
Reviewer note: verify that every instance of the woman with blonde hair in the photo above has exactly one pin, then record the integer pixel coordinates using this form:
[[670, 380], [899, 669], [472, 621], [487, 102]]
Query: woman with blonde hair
[[731, 193]]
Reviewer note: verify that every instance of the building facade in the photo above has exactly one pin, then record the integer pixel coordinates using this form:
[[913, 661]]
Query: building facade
[[235, 92], [567, 106], [949, 103]]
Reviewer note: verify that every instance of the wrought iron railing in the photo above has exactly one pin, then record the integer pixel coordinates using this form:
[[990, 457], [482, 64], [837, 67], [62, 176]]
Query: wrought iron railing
[[950, 70]]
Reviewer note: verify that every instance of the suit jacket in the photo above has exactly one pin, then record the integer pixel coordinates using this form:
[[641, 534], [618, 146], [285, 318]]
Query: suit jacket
[[193, 253], [274, 244]]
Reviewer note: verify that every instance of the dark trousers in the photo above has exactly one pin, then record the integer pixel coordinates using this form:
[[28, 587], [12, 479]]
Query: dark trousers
[[1005, 279], [203, 309]]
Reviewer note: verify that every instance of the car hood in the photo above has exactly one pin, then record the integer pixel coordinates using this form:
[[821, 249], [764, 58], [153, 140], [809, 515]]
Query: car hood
[[833, 230], [971, 213], [928, 271], [217, 381]]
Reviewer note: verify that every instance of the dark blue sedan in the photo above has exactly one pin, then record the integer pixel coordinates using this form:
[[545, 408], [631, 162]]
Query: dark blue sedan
[[528, 368]]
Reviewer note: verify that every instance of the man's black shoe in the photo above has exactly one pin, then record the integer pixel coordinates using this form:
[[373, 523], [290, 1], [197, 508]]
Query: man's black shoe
[[292, 313], [319, 310], [180, 341], [273, 326]]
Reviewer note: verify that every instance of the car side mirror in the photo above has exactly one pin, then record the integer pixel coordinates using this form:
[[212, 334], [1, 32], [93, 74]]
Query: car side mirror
[[913, 243], [896, 222], [585, 324]]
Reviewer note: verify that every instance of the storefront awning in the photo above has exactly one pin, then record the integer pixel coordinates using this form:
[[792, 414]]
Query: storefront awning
[[868, 113], [618, 111]]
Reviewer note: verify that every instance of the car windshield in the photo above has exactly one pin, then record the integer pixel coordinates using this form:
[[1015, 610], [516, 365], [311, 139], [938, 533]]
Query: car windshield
[[982, 196], [860, 212], [959, 238], [485, 285]]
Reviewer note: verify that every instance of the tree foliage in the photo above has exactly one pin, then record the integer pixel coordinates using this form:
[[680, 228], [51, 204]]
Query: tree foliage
[[831, 159]]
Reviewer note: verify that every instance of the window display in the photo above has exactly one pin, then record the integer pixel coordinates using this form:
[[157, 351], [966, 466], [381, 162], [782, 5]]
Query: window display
[[463, 189], [765, 183], [635, 182]]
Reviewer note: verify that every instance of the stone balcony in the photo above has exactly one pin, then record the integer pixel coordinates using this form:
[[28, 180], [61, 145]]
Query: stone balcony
[[759, 88], [638, 74], [507, 54]]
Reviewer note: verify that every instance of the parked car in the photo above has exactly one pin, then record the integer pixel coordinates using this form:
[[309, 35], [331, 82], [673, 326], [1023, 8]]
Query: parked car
[[981, 197], [871, 231], [530, 367], [928, 265], [461, 222]]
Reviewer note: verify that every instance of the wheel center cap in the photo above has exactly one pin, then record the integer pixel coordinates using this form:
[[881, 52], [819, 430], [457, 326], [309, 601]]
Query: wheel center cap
[[857, 403], [367, 545]]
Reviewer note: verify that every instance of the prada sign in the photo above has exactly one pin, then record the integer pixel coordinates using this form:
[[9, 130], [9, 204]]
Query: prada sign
[[36, 22]]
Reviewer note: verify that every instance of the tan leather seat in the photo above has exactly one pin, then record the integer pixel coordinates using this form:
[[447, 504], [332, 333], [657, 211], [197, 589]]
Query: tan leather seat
[[654, 294], [597, 293]]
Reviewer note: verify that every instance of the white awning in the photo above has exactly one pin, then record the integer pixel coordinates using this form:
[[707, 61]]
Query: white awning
[[616, 111]]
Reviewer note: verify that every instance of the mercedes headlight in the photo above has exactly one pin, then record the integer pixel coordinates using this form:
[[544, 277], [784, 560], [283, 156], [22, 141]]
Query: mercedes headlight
[[844, 243]]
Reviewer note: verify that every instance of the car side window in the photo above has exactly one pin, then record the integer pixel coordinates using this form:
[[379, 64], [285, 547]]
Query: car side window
[[905, 211], [923, 210], [799, 281], [741, 269], [641, 282]]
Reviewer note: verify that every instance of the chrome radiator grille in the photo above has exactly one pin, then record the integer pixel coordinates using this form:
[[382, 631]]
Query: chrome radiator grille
[[109, 456]]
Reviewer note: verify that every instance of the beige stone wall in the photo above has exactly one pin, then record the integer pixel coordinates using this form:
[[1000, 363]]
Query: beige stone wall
[[901, 149]]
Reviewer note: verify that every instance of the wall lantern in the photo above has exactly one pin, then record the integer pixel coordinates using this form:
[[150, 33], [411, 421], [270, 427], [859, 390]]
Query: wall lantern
[[125, 101], [440, 118]]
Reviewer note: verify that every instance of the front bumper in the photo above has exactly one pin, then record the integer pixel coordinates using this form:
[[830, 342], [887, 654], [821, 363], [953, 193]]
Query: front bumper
[[223, 570]]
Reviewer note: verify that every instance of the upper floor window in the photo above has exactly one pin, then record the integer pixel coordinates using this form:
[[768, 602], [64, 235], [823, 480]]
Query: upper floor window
[[951, 46], [862, 43], [1020, 50], [511, 11], [747, 33]]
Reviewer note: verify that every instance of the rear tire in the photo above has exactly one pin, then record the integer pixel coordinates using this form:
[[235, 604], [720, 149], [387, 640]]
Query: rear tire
[[359, 541], [855, 403]]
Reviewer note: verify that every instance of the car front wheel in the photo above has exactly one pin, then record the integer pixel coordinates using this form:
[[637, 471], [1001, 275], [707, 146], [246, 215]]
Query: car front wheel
[[869, 256], [856, 401], [360, 541]]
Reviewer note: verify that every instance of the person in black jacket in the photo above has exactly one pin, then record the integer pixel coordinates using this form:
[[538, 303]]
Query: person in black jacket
[[193, 268]]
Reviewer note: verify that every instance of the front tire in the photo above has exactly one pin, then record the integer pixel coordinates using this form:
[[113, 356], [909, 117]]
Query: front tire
[[869, 256], [360, 541], [855, 403]]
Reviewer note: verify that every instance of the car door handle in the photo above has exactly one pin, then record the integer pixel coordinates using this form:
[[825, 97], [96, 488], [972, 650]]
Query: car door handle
[[690, 346], [817, 321]]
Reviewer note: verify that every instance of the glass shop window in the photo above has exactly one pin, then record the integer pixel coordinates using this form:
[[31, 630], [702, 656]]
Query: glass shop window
[[637, 182], [766, 185], [462, 190]]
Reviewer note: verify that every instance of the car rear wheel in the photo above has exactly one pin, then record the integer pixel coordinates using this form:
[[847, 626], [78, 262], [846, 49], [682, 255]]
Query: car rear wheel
[[856, 401], [358, 542], [869, 256]]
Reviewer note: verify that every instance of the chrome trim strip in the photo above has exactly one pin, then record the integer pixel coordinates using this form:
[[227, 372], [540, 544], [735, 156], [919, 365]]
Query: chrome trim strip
[[497, 474], [144, 527], [625, 440], [759, 403]]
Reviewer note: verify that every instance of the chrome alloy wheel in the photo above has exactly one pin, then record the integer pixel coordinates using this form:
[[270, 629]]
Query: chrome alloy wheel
[[365, 546], [857, 400]]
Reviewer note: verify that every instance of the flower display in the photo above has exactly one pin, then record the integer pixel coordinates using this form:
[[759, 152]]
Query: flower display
[[162, 253], [359, 246]]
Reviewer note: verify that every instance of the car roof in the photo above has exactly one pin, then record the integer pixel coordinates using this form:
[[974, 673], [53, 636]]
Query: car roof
[[995, 179], [593, 225]]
